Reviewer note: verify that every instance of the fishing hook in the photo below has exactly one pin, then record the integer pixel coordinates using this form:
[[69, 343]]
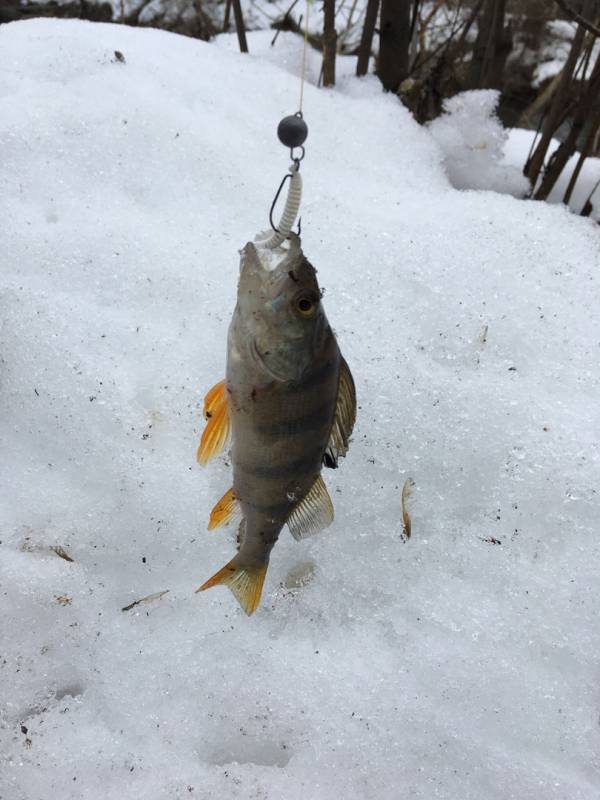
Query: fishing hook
[[275, 199], [290, 211]]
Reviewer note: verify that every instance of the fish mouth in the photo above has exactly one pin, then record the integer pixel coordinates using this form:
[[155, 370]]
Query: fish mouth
[[257, 356], [269, 261]]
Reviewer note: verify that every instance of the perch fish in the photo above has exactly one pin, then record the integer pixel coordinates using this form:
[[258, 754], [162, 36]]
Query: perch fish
[[287, 403]]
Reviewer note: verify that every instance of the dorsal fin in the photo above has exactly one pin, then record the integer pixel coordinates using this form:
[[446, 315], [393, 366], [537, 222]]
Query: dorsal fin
[[343, 421], [313, 513]]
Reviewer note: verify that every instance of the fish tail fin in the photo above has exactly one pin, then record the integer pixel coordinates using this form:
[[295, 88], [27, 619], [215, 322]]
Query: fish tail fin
[[245, 582]]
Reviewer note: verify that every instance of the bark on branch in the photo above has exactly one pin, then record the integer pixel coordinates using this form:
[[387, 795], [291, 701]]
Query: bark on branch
[[577, 17]]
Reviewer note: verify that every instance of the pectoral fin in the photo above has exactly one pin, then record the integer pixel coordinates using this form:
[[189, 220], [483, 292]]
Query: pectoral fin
[[245, 582], [224, 511], [213, 397], [216, 433], [343, 422], [313, 513]]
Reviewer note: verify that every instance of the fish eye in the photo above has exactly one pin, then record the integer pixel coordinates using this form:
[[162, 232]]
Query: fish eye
[[306, 304]]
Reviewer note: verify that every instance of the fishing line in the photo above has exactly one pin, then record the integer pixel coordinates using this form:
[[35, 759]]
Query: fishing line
[[291, 132], [304, 49]]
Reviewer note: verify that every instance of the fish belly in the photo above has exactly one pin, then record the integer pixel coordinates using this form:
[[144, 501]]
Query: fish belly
[[280, 433]]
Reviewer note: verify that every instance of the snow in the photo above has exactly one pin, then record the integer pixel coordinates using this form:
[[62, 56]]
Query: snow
[[472, 139], [480, 154], [554, 52], [286, 53], [516, 151], [462, 664]]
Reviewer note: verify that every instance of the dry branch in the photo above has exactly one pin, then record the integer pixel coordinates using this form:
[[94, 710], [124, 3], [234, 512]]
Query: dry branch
[[571, 12], [557, 106], [366, 41], [329, 43]]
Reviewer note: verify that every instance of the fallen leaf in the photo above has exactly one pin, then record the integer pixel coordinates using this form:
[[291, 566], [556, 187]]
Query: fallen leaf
[[406, 521], [60, 551]]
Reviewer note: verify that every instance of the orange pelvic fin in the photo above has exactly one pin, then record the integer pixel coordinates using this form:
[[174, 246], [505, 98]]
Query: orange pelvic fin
[[224, 511], [216, 433], [246, 582]]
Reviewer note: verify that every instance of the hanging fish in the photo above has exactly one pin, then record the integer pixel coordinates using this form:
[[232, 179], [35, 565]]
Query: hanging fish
[[289, 404]]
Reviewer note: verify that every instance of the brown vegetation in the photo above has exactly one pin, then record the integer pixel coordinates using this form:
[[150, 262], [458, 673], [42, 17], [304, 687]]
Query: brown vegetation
[[426, 52]]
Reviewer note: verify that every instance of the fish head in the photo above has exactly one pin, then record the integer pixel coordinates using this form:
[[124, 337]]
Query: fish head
[[280, 310]]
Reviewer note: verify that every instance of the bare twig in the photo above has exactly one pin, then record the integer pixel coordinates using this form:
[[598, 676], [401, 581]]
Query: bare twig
[[148, 599], [394, 43], [414, 16], [577, 17], [425, 23], [587, 57], [587, 206], [556, 108], [586, 150], [285, 18], [329, 42], [566, 149], [346, 32], [227, 16], [464, 27], [491, 48], [544, 99], [535, 138], [350, 30], [366, 41], [239, 25], [539, 102]]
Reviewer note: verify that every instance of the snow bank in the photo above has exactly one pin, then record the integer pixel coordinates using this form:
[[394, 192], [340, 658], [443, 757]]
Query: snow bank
[[516, 152], [462, 664], [472, 139], [480, 154], [554, 51]]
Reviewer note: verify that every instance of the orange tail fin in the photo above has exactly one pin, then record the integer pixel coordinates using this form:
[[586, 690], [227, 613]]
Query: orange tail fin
[[245, 582]]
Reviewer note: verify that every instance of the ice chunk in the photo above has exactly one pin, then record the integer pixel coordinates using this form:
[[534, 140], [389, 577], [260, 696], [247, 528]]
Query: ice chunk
[[472, 140]]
